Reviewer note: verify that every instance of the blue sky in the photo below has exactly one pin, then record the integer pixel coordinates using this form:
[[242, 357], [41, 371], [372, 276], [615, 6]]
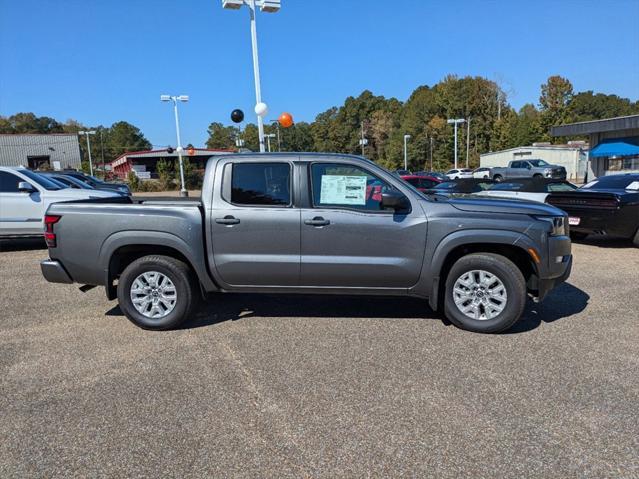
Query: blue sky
[[103, 61]]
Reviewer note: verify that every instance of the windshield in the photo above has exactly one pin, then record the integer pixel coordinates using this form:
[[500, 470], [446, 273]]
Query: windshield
[[538, 163], [43, 181], [506, 186]]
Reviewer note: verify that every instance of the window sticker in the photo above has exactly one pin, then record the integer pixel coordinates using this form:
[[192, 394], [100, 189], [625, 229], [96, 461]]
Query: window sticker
[[633, 186], [343, 190]]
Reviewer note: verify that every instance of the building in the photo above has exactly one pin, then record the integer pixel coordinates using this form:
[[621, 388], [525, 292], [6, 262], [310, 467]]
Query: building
[[572, 156], [614, 144], [143, 163], [57, 150]]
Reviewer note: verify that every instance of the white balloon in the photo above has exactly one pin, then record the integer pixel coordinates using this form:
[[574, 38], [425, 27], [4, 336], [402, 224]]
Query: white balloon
[[261, 109]]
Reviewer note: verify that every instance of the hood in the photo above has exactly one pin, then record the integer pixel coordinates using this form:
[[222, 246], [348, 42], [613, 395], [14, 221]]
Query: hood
[[493, 204]]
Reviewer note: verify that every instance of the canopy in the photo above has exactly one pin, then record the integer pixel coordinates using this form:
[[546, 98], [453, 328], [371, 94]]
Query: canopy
[[616, 147]]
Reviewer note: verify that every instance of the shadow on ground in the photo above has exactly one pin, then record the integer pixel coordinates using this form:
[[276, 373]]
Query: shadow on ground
[[563, 302], [22, 244]]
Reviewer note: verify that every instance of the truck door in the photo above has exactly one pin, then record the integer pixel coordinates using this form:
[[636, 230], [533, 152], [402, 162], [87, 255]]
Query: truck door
[[255, 225], [348, 240]]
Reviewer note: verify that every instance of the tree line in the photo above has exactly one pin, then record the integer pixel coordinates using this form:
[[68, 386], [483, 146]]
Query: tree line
[[492, 124]]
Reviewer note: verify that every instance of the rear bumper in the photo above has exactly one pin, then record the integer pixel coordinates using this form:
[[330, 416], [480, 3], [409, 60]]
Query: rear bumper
[[54, 272], [619, 222]]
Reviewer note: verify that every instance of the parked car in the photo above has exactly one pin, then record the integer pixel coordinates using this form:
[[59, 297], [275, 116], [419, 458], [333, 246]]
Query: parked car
[[402, 172], [459, 173], [608, 205], [463, 186], [303, 223], [66, 180], [434, 174], [97, 183], [533, 189], [528, 168], [25, 196], [481, 172], [422, 183]]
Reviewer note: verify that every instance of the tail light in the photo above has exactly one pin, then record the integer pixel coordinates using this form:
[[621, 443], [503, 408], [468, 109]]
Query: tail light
[[49, 235]]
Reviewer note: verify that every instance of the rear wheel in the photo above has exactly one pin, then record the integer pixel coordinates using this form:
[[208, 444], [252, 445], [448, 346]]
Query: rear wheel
[[537, 176], [485, 293], [498, 178], [157, 292]]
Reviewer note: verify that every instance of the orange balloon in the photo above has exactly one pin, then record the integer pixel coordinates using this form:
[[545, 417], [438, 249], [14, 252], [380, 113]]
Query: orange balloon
[[285, 119]]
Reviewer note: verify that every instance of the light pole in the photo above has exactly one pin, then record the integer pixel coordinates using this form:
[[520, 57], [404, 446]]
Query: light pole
[[279, 141], [467, 141], [269, 6], [268, 137], [456, 122], [406, 137], [87, 133], [431, 153], [363, 140], [175, 99]]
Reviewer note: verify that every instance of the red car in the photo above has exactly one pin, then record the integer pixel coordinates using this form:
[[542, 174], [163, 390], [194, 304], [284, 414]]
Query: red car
[[422, 183]]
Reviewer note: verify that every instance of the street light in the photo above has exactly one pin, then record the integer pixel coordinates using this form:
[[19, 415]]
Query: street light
[[268, 137], [87, 133], [456, 122], [277, 126], [268, 6], [175, 99], [406, 137]]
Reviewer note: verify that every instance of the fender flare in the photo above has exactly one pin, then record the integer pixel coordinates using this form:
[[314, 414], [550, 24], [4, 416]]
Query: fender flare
[[157, 238], [470, 237]]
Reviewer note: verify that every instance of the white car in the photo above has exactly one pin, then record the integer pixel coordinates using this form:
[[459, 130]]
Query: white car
[[481, 173], [26, 195], [459, 173]]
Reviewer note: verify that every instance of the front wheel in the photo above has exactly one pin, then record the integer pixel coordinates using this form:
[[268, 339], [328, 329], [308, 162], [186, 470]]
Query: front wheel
[[157, 292], [485, 293], [498, 178]]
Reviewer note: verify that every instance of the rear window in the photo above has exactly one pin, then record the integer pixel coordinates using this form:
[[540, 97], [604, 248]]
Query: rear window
[[560, 187], [261, 184], [507, 186], [614, 182]]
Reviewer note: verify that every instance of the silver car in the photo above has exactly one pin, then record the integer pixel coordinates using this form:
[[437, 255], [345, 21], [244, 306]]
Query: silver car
[[25, 196]]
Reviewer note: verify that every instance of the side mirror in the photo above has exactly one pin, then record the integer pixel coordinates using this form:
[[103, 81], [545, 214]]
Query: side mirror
[[25, 187], [395, 200]]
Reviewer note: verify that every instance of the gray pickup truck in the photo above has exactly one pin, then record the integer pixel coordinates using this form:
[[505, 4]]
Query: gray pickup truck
[[528, 168], [311, 223]]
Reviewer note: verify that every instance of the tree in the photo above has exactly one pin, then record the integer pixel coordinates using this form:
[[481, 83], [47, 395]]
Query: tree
[[29, 123], [165, 174], [556, 95], [123, 137], [220, 136], [587, 106]]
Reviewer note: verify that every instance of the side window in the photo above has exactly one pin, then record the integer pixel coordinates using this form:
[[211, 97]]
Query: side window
[[9, 182], [559, 187], [347, 186], [267, 184], [516, 164]]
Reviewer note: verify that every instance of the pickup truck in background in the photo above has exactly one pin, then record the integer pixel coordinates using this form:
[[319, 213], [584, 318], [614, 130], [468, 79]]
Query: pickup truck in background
[[528, 168], [310, 223]]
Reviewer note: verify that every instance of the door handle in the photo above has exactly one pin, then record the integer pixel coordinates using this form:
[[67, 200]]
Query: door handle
[[317, 221], [227, 220]]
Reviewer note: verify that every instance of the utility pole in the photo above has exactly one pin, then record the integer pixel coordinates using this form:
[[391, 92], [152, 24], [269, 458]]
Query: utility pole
[[456, 122], [87, 133], [363, 141], [431, 153], [467, 140], [102, 151], [406, 137]]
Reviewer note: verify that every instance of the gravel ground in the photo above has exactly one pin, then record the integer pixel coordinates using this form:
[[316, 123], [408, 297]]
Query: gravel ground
[[288, 386]]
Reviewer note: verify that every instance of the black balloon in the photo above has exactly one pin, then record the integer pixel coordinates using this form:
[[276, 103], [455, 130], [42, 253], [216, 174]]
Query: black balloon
[[237, 116]]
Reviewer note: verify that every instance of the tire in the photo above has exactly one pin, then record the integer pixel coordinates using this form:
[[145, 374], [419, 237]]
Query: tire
[[511, 279], [538, 176], [180, 278], [498, 178], [578, 235]]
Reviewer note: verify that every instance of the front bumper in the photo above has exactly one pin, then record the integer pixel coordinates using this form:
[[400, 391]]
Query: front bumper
[[54, 272], [544, 286]]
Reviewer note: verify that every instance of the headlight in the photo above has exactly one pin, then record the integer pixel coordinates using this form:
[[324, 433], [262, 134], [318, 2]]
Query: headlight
[[557, 224]]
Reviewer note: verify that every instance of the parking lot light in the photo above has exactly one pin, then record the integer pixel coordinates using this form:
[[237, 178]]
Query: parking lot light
[[87, 133], [175, 99], [456, 121]]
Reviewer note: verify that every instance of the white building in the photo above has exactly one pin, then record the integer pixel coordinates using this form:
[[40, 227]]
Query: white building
[[60, 150], [573, 157]]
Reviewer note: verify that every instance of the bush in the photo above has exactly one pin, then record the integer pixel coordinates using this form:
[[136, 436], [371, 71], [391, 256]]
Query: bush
[[133, 180], [165, 174]]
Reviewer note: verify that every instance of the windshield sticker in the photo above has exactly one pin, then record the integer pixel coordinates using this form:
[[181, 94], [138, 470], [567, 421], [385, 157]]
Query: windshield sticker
[[633, 186], [343, 190], [591, 184]]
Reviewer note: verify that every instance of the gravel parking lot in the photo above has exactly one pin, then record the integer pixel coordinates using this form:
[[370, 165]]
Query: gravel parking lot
[[288, 386]]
